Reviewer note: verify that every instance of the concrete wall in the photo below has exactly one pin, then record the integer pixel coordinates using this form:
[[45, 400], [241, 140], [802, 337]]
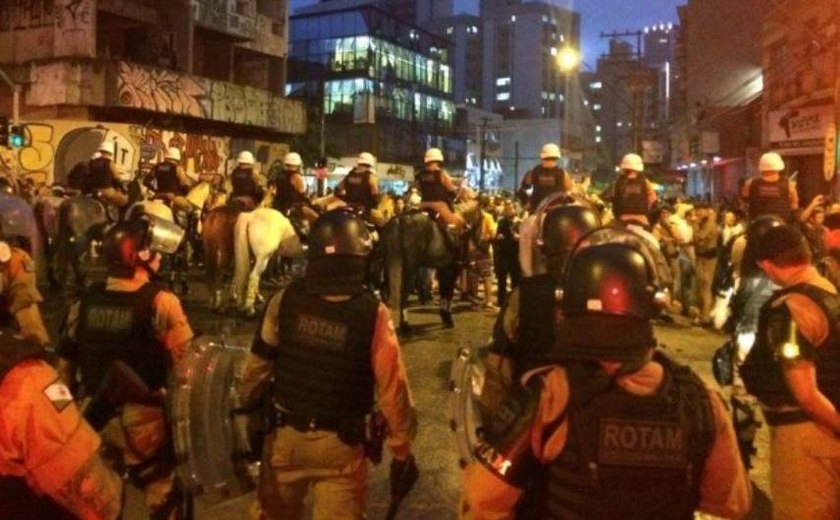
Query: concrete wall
[[38, 29]]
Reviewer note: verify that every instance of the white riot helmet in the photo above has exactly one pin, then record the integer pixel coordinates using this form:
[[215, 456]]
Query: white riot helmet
[[632, 162], [96, 155], [293, 159], [550, 151], [433, 155], [173, 154], [108, 147], [366, 159], [246, 158], [771, 162]]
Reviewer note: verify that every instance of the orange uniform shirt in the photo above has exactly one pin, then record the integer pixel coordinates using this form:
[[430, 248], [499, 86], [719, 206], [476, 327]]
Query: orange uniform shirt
[[43, 437], [18, 288]]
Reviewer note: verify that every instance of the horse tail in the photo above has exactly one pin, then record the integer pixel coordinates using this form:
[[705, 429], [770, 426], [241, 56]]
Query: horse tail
[[392, 238], [242, 255]]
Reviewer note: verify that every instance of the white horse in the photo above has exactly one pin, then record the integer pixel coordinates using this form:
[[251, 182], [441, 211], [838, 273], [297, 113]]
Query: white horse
[[263, 232]]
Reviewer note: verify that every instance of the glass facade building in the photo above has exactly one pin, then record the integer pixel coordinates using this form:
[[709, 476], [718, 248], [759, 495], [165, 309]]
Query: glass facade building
[[368, 67]]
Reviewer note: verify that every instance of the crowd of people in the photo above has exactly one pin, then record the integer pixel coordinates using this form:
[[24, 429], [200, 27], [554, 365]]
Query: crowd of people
[[590, 420]]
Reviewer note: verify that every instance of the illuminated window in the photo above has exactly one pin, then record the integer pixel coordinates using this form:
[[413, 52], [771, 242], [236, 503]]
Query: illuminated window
[[513, 18], [597, 138], [502, 82], [597, 128], [596, 85], [450, 30], [553, 51], [502, 96], [596, 106]]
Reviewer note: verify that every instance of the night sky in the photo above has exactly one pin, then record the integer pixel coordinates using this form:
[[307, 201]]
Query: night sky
[[596, 16]]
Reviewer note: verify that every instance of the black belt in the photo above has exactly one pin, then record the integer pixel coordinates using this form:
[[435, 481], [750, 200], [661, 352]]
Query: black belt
[[775, 418], [308, 423]]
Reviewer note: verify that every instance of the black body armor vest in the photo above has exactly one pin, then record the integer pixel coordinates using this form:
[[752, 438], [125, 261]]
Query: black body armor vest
[[630, 456], [431, 186], [242, 183], [630, 196], [546, 181], [17, 500], [323, 367], [287, 195], [166, 176], [117, 326], [762, 371], [770, 198], [99, 175], [357, 189]]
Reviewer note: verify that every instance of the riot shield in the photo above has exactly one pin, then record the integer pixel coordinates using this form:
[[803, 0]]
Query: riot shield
[[467, 417], [210, 438]]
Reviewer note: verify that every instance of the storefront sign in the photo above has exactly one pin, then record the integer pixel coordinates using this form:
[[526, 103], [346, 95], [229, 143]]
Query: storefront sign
[[830, 154], [800, 129]]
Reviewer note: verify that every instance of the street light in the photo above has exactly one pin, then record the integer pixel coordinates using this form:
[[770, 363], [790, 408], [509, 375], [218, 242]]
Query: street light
[[568, 60]]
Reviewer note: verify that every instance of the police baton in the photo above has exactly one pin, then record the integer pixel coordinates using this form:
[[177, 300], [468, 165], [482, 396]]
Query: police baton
[[404, 475]]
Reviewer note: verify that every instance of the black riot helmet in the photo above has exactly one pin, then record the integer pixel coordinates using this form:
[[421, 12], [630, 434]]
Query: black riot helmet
[[562, 226], [611, 293], [755, 231], [130, 244], [337, 258]]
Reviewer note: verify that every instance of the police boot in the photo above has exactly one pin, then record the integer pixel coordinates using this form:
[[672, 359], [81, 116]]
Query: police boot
[[446, 313], [248, 309]]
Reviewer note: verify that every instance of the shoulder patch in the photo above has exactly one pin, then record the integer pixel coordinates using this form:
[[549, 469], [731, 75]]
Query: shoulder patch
[[29, 265], [59, 395]]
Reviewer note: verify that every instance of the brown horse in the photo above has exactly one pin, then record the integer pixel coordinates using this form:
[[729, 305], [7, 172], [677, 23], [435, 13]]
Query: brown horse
[[217, 234]]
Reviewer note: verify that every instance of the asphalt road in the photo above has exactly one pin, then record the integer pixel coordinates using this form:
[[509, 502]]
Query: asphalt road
[[428, 357]]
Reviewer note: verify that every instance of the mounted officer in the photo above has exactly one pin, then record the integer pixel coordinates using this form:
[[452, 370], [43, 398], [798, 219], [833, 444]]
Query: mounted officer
[[244, 181], [615, 429], [632, 194], [171, 181], [103, 180], [771, 193], [127, 333], [545, 179], [290, 189], [359, 188], [328, 350]]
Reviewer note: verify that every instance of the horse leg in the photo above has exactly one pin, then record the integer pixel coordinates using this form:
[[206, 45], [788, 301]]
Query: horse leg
[[254, 285], [446, 279]]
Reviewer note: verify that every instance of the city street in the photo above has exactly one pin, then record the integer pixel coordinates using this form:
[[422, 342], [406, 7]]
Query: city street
[[428, 357]]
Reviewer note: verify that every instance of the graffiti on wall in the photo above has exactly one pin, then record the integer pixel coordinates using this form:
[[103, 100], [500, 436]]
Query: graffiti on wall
[[55, 147], [16, 15], [167, 91]]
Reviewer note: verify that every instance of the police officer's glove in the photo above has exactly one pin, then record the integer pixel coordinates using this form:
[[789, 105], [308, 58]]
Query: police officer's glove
[[404, 474]]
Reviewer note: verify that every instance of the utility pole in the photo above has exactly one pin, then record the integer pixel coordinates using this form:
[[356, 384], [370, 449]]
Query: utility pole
[[516, 164], [484, 121]]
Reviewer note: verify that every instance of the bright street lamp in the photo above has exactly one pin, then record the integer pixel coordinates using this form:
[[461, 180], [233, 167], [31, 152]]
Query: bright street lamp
[[568, 59]]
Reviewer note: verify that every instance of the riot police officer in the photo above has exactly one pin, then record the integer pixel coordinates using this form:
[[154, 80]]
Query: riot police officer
[[546, 178], [49, 461], [771, 193], [359, 188], [328, 347], [128, 324], [615, 429], [171, 181], [794, 371], [244, 182], [290, 189], [19, 295], [632, 194], [103, 179]]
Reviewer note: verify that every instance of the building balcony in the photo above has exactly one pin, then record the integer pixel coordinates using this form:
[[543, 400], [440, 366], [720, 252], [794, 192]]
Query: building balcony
[[239, 22], [121, 84]]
